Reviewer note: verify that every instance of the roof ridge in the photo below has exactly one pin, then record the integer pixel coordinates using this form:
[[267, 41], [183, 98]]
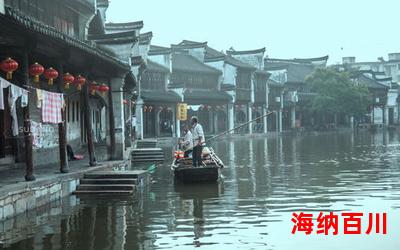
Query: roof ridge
[[125, 23], [242, 52]]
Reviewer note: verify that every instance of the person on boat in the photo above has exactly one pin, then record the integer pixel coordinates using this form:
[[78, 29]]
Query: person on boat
[[198, 141], [187, 143]]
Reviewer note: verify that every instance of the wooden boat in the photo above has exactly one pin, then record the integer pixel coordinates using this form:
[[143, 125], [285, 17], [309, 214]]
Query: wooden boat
[[209, 171]]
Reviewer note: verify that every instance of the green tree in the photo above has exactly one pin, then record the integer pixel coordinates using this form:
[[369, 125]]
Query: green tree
[[337, 93]]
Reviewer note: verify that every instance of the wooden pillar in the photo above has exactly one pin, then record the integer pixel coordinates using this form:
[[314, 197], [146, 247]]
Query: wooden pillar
[[62, 138], [28, 137], [88, 125], [112, 123]]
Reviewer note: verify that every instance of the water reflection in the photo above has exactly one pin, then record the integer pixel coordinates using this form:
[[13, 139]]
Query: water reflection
[[265, 180]]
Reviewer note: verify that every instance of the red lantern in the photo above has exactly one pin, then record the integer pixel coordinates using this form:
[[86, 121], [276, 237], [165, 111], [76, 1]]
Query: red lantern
[[9, 66], [79, 82], [50, 74], [125, 101], [68, 79], [103, 89], [36, 70], [92, 88]]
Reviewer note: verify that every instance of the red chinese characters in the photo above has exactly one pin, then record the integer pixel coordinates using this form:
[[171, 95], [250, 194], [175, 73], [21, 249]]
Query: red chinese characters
[[330, 223], [303, 223], [327, 222]]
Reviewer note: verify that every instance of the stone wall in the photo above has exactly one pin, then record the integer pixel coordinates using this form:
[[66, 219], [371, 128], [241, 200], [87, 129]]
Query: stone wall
[[25, 196], [22, 200]]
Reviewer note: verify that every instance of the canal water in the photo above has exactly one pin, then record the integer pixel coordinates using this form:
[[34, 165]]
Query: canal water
[[265, 181]]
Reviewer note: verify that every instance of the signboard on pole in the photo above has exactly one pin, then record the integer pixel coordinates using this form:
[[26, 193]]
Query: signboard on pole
[[181, 113]]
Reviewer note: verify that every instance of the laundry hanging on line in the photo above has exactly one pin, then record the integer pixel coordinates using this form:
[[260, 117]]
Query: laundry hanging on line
[[52, 104], [13, 94]]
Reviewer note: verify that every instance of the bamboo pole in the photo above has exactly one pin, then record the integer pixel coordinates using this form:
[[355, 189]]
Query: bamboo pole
[[242, 125]]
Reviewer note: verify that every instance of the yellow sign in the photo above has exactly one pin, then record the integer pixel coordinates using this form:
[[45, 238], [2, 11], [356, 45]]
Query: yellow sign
[[181, 113]]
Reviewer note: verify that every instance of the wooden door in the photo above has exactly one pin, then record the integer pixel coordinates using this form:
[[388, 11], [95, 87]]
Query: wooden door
[[6, 138]]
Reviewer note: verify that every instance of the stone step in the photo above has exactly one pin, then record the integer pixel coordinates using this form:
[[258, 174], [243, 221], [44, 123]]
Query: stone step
[[147, 150], [146, 144], [108, 181], [109, 199], [135, 174], [147, 161], [147, 154], [106, 187], [104, 192]]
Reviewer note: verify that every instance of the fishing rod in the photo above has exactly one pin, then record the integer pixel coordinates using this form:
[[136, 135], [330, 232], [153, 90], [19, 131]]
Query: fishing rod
[[242, 125], [233, 129]]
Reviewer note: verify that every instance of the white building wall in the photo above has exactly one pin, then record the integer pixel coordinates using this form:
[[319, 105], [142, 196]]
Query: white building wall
[[230, 74], [217, 65], [197, 53], [164, 60], [256, 60], [143, 50]]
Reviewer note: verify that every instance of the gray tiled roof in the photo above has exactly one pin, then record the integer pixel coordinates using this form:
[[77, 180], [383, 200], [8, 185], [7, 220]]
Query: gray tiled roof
[[145, 38], [153, 66], [187, 63], [32, 25], [158, 50], [160, 96], [371, 83], [215, 55], [124, 26], [245, 52], [296, 72], [205, 95]]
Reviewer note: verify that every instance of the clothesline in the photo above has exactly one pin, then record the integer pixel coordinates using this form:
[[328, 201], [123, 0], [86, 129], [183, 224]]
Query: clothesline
[[51, 103], [34, 88]]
